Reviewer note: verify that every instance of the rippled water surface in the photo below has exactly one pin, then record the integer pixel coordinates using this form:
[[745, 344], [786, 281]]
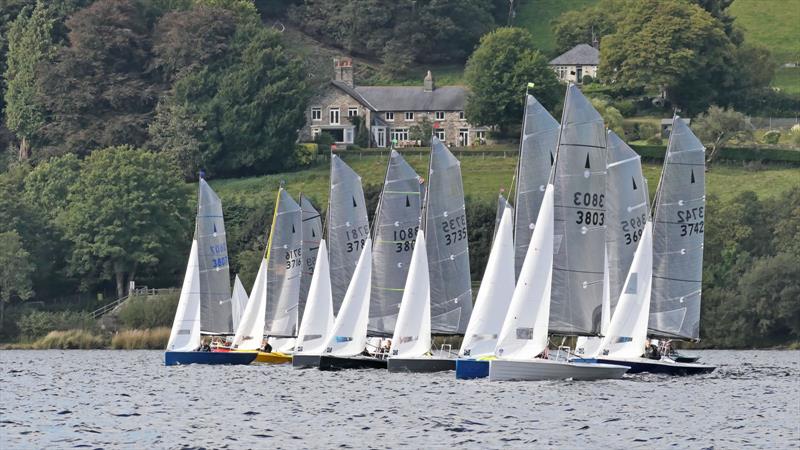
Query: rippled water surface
[[128, 399]]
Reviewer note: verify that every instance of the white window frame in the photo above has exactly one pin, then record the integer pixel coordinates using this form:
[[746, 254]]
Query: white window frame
[[440, 134], [401, 134], [480, 136], [409, 116], [461, 115], [315, 133], [316, 114], [438, 115], [389, 116], [465, 133], [334, 113], [352, 111]]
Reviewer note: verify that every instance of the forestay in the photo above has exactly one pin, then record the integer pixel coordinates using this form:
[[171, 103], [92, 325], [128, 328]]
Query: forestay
[[579, 239], [678, 237], [626, 212], [497, 288], [536, 153], [348, 226], [448, 252], [317, 320], [395, 225], [238, 301], [185, 334], [524, 331], [215, 281], [349, 334], [312, 233], [412, 335], [284, 266]]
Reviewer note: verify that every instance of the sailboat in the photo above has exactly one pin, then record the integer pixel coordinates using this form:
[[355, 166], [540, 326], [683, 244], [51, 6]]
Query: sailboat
[[238, 301], [312, 234], [662, 290], [560, 284], [537, 145], [626, 214], [204, 304], [272, 308], [439, 301], [492, 302], [395, 227]]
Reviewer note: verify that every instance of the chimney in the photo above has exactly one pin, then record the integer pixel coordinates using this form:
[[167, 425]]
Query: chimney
[[343, 70], [428, 85]]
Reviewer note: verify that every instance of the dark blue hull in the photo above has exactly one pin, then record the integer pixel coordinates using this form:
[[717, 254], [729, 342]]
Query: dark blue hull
[[467, 369], [644, 365], [182, 358]]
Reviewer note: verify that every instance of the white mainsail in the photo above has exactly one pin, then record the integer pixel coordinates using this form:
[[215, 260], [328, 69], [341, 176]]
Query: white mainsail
[[412, 332], [212, 254], [185, 334], [524, 331], [349, 334], [317, 320], [496, 291], [627, 332], [238, 301], [284, 264], [250, 331], [312, 233]]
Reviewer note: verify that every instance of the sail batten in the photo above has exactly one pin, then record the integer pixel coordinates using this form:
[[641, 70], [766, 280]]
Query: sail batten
[[348, 227], [678, 233], [395, 225], [215, 281], [539, 137], [579, 179], [447, 249]]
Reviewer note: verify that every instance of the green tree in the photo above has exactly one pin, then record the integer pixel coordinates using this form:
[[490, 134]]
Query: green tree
[[30, 42], [177, 133], [717, 126], [251, 104], [15, 271], [101, 89], [498, 73], [672, 47], [581, 26], [126, 212], [611, 115]]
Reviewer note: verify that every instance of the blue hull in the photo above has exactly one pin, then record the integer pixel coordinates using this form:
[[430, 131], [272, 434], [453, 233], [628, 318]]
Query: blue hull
[[182, 358], [467, 369]]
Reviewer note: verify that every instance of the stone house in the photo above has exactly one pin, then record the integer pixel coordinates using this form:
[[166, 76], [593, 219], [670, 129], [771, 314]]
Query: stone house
[[389, 112], [576, 63]]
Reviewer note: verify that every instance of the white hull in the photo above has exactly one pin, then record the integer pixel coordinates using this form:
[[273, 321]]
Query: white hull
[[545, 369]]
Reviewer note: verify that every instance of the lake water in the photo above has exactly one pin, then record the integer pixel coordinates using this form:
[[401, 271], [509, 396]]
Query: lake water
[[128, 399]]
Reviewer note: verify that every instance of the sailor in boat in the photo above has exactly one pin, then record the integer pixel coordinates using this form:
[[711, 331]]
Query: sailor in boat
[[267, 347], [651, 350]]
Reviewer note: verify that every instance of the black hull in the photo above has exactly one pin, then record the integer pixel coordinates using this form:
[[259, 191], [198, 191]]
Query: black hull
[[328, 362], [421, 365], [305, 361], [643, 365]]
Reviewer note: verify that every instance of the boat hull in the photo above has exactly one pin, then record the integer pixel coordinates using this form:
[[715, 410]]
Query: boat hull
[[305, 361], [421, 365], [273, 358], [214, 358], [330, 362], [545, 369], [665, 366], [467, 369]]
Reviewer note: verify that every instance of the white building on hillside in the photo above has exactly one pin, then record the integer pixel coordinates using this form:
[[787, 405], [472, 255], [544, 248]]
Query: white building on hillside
[[576, 63]]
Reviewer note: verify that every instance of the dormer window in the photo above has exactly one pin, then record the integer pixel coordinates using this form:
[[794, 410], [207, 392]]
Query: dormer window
[[409, 117]]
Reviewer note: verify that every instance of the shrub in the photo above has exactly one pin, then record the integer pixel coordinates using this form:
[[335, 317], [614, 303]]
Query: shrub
[[587, 79], [149, 311], [650, 131], [631, 131], [70, 339], [324, 141], [39, 323], [304, 155], [153, 339], [626, 107], [654, 139], [794, 135], [772, 137]]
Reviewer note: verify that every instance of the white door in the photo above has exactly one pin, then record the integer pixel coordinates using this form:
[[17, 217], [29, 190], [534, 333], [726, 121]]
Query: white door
[[463, 137], [381, 137]]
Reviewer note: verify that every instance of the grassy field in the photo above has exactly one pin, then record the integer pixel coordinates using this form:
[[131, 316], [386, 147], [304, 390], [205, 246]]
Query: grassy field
[[787, 79], [536, 15], [772, 23], [484, 177]]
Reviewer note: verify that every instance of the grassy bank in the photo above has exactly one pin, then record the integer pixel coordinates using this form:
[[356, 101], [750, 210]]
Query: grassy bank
[[485, 176], [147, 339]]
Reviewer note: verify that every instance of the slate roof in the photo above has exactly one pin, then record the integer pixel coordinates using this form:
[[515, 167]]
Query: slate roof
[[407, 98], [581, 54]]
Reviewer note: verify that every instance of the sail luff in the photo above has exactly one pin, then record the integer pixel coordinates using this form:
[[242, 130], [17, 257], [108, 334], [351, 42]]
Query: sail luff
[[412, 333], [185, 333], [348, 336]]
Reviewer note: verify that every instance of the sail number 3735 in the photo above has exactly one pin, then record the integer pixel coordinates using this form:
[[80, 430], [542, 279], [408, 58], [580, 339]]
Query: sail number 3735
[[454, 229]]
